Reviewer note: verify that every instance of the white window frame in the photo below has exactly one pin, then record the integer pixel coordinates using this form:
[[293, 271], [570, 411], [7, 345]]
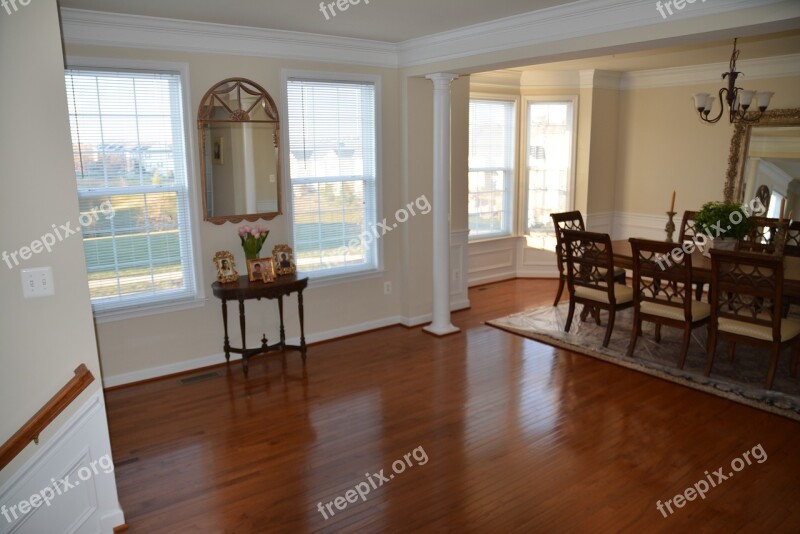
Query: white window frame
[[190, 148], [512, 186], [335, 275], [523, 154]]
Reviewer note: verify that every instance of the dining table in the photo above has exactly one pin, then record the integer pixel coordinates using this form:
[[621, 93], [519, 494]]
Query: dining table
[[701, 267]]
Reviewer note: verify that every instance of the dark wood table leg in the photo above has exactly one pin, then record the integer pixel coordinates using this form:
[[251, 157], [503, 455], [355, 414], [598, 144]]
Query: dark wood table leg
[[244, 342], [302, 329], [227, 344], [280, 313]]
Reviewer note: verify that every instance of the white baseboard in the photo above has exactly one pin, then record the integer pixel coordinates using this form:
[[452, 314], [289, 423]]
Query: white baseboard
[[91, 505], [215, 359]]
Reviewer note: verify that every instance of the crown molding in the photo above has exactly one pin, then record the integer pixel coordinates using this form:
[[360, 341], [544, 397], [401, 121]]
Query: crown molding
[[134, 31], [769, 67], [497, 78], [600, 79], [577, 19]]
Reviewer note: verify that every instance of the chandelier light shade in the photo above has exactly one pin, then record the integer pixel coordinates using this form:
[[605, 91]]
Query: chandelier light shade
[[740, 101]]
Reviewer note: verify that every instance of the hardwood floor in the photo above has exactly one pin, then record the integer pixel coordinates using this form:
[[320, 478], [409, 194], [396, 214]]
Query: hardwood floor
[[519, 436]]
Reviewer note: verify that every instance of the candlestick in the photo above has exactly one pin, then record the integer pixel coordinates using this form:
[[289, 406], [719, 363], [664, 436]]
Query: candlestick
[[670, 228], [672, 205]]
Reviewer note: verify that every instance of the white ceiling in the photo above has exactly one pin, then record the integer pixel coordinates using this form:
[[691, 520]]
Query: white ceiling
[[382, 20]]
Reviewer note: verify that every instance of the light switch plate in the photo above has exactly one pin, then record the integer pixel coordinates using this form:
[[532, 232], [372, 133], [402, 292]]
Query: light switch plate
[[38, 282]]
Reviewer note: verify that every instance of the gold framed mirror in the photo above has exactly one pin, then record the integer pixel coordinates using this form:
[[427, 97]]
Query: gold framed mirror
[[239, 133], [765, 160]]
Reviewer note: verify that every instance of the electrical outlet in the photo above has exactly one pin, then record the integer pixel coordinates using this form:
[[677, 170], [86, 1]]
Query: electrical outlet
[[38, 282], [387, 288]]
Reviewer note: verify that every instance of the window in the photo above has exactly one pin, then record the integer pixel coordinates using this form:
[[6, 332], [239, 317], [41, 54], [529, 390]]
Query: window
[[129, 152], [550, 158], [332, 162], [491, 167]]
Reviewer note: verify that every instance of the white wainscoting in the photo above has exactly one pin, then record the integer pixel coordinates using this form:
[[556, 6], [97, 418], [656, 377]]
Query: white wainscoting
[[505, 258], [91, 506], [459, 262]]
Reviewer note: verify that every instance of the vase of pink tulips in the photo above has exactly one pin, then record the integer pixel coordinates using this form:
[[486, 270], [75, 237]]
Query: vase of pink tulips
[[252, 240]]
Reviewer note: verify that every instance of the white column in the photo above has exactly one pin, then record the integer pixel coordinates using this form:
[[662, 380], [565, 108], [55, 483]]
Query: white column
[[441, 324]]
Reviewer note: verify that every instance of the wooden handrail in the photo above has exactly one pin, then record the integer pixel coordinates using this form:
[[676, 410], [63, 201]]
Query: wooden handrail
[[30, 431]]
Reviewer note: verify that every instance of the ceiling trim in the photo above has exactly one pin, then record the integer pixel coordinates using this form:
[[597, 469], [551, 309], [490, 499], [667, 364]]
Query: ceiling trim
[[577, 19], [753, 69], [134, 31]]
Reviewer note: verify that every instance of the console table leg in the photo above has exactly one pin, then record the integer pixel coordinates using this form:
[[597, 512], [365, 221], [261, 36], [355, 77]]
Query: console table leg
[[280, 313], [227, 344], [244, 342], [302, 329]]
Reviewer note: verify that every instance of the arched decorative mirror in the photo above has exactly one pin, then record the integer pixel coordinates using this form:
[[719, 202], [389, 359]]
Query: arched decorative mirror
[[764, 161], [239, 133]]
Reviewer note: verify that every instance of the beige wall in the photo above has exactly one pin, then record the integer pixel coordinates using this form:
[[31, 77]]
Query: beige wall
[[42, 340], [663, 146], [157, 340]]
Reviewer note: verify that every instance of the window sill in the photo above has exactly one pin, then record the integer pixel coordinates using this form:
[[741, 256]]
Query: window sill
[[336, 279], [123, 314], [492, 238]]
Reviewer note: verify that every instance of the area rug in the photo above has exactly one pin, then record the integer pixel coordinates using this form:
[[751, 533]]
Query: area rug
[[741, 380]]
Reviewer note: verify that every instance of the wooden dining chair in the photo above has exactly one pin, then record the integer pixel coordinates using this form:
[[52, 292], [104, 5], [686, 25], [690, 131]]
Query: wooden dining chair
[[766, 229], [662, 293], [590, 278], [571, 220], [688, 232], [792, 247], [746, 292]]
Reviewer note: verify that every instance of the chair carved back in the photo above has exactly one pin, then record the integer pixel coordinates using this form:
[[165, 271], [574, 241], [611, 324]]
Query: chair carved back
[[659, 277], [568, 220], [688, 227], [590, 261], [747, 287]]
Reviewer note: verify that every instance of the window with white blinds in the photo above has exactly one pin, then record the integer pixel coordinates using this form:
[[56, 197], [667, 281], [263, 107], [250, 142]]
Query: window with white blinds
[[491, 167], [128, 144], [332, 162]]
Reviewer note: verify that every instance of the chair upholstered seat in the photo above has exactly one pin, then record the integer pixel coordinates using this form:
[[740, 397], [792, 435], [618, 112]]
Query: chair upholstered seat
[[789, 329], [700, 310], [622, 294]]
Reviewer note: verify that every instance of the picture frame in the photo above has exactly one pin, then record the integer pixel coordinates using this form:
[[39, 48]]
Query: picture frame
[[218, 151], [226, 267], [261, 270], [284, 260]]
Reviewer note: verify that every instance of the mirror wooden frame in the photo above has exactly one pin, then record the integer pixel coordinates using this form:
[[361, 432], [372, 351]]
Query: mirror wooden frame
[[239, 115], [740, 144]]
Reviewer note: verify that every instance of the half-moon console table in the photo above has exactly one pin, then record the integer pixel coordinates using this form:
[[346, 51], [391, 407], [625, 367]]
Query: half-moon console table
[[243, 290]]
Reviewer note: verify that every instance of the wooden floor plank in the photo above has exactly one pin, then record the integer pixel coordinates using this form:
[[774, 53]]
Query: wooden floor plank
[[519, 436]]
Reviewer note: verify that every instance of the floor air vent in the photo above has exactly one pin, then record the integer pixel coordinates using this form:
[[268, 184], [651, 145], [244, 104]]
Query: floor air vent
[[199, 378]]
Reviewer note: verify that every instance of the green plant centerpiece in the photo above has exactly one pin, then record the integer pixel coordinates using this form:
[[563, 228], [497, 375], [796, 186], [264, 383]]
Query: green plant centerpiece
[[724, 220]]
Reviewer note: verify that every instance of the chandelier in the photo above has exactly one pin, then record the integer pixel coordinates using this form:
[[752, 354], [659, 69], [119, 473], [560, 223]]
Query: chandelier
[[739, 100]]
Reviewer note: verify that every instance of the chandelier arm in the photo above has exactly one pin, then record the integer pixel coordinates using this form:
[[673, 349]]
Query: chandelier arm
[[721, 108]]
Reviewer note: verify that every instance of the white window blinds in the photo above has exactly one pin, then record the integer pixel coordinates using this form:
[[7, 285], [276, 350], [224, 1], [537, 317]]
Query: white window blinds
[[491, 167], [332, 150], [129, 152]]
